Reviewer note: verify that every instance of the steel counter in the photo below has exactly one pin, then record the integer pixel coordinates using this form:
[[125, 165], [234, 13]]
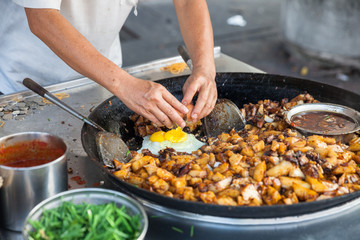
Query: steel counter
[[338, 223]]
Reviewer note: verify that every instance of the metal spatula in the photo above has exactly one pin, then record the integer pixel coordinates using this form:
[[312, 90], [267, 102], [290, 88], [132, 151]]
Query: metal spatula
[[225, 116], [109, 145]]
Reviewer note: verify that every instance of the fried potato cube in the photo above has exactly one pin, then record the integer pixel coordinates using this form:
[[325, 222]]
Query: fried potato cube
[[208, 197], [249, 192], [221, 185], [291, 140], [118, 164], [133, 179], [203, 159], [316, 185], [136, 165], [259, 146], [304, 193], [123, 173], [217, 177], [195, 166], [259, 171], [354, 144], [240, 170], [288, 182], [229, 192], [151, 169], [298, 144], [224, 137], [197, 173], [169, 194], [152, 179], [296, 173], [179, 182], [195, 181], [235, 159], [282, 169], [189, 194], [316, 141], [168, 165], [142, 173], [356, 158], [343, 169], [161, 186], [291, 199], [182, 159], [164, 174], [272, 196], [282, 148], [302, 149], [221, 168], [247, 151], [228, 201]]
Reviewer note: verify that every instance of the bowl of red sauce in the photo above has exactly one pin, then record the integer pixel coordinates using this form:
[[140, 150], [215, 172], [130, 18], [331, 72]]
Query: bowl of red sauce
[[33, 166]]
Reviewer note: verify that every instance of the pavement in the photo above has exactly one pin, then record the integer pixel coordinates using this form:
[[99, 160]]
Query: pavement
[[154, 33]]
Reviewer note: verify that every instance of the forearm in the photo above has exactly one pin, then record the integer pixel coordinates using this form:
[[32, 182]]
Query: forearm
[[73, 48], [196, 29]]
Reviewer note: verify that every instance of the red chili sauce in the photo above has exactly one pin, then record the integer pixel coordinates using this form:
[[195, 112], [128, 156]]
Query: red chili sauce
[[28, 154], [321, 121]]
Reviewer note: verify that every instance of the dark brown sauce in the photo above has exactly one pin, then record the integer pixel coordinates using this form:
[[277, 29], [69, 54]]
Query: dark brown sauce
[[322, 121], [28, 154]]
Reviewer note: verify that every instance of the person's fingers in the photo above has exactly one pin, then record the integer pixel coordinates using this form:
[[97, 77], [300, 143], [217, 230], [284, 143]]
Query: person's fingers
[[209, 105], [171, 107], [151, 117], [189, 90]]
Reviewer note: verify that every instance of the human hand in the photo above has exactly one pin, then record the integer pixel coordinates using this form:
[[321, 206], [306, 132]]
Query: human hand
[[203, 83], [153, 101]]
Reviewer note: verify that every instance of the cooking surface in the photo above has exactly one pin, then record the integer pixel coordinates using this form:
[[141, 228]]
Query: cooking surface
[[85, 94]]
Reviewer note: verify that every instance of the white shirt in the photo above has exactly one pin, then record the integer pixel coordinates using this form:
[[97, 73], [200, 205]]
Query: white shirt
[[23, 55]]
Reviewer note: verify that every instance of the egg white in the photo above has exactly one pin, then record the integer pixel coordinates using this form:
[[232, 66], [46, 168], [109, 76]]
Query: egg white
[[189, 145]]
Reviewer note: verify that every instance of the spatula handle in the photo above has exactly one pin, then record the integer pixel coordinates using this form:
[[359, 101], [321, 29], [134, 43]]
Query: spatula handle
[[32, 85]]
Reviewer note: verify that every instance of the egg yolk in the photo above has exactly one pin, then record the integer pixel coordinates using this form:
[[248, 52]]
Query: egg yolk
[[157, 136], [175, 136]]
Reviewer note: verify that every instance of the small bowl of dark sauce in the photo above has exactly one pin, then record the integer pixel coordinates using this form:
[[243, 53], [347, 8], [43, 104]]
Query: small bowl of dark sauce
[[323, 119]]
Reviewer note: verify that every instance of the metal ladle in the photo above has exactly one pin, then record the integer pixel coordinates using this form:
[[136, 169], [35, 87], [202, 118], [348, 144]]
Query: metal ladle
[[225, 116], [109, 145]]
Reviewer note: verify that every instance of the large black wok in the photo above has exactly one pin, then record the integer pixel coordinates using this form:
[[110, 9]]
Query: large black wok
[[241, 88]]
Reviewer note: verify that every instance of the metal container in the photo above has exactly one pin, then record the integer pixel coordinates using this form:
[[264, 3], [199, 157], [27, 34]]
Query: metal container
[[92, 196], [326, 107], [25, 187]]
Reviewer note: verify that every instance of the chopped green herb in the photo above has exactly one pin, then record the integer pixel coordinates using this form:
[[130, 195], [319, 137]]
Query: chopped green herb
[[177, 229], [192, 231], [49, 119], [127, 153], [85, 221]]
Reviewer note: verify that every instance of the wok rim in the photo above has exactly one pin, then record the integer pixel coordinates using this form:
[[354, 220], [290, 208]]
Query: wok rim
[[220, 210]]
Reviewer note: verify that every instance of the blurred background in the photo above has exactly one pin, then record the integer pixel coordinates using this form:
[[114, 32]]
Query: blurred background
[[311, 39]]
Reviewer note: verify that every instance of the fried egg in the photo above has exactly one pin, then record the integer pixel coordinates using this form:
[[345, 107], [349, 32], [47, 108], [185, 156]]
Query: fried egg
[[175, 138]]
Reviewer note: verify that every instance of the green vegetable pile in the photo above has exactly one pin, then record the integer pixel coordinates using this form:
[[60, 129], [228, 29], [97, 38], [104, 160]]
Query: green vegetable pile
[[86, 221]]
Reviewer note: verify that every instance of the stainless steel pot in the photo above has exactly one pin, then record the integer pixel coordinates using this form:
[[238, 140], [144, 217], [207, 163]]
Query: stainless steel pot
[[25, 187]]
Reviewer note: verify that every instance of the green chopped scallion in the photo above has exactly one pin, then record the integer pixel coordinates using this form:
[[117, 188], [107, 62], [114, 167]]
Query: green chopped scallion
[[72, 221]]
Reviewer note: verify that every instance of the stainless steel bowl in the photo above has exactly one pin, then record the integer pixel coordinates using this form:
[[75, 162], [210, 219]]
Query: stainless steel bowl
[[93, 196], [325, 107]]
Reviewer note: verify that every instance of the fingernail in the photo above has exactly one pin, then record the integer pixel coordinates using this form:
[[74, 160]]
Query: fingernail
[[184, 102], [194, 116], [182, 125]]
